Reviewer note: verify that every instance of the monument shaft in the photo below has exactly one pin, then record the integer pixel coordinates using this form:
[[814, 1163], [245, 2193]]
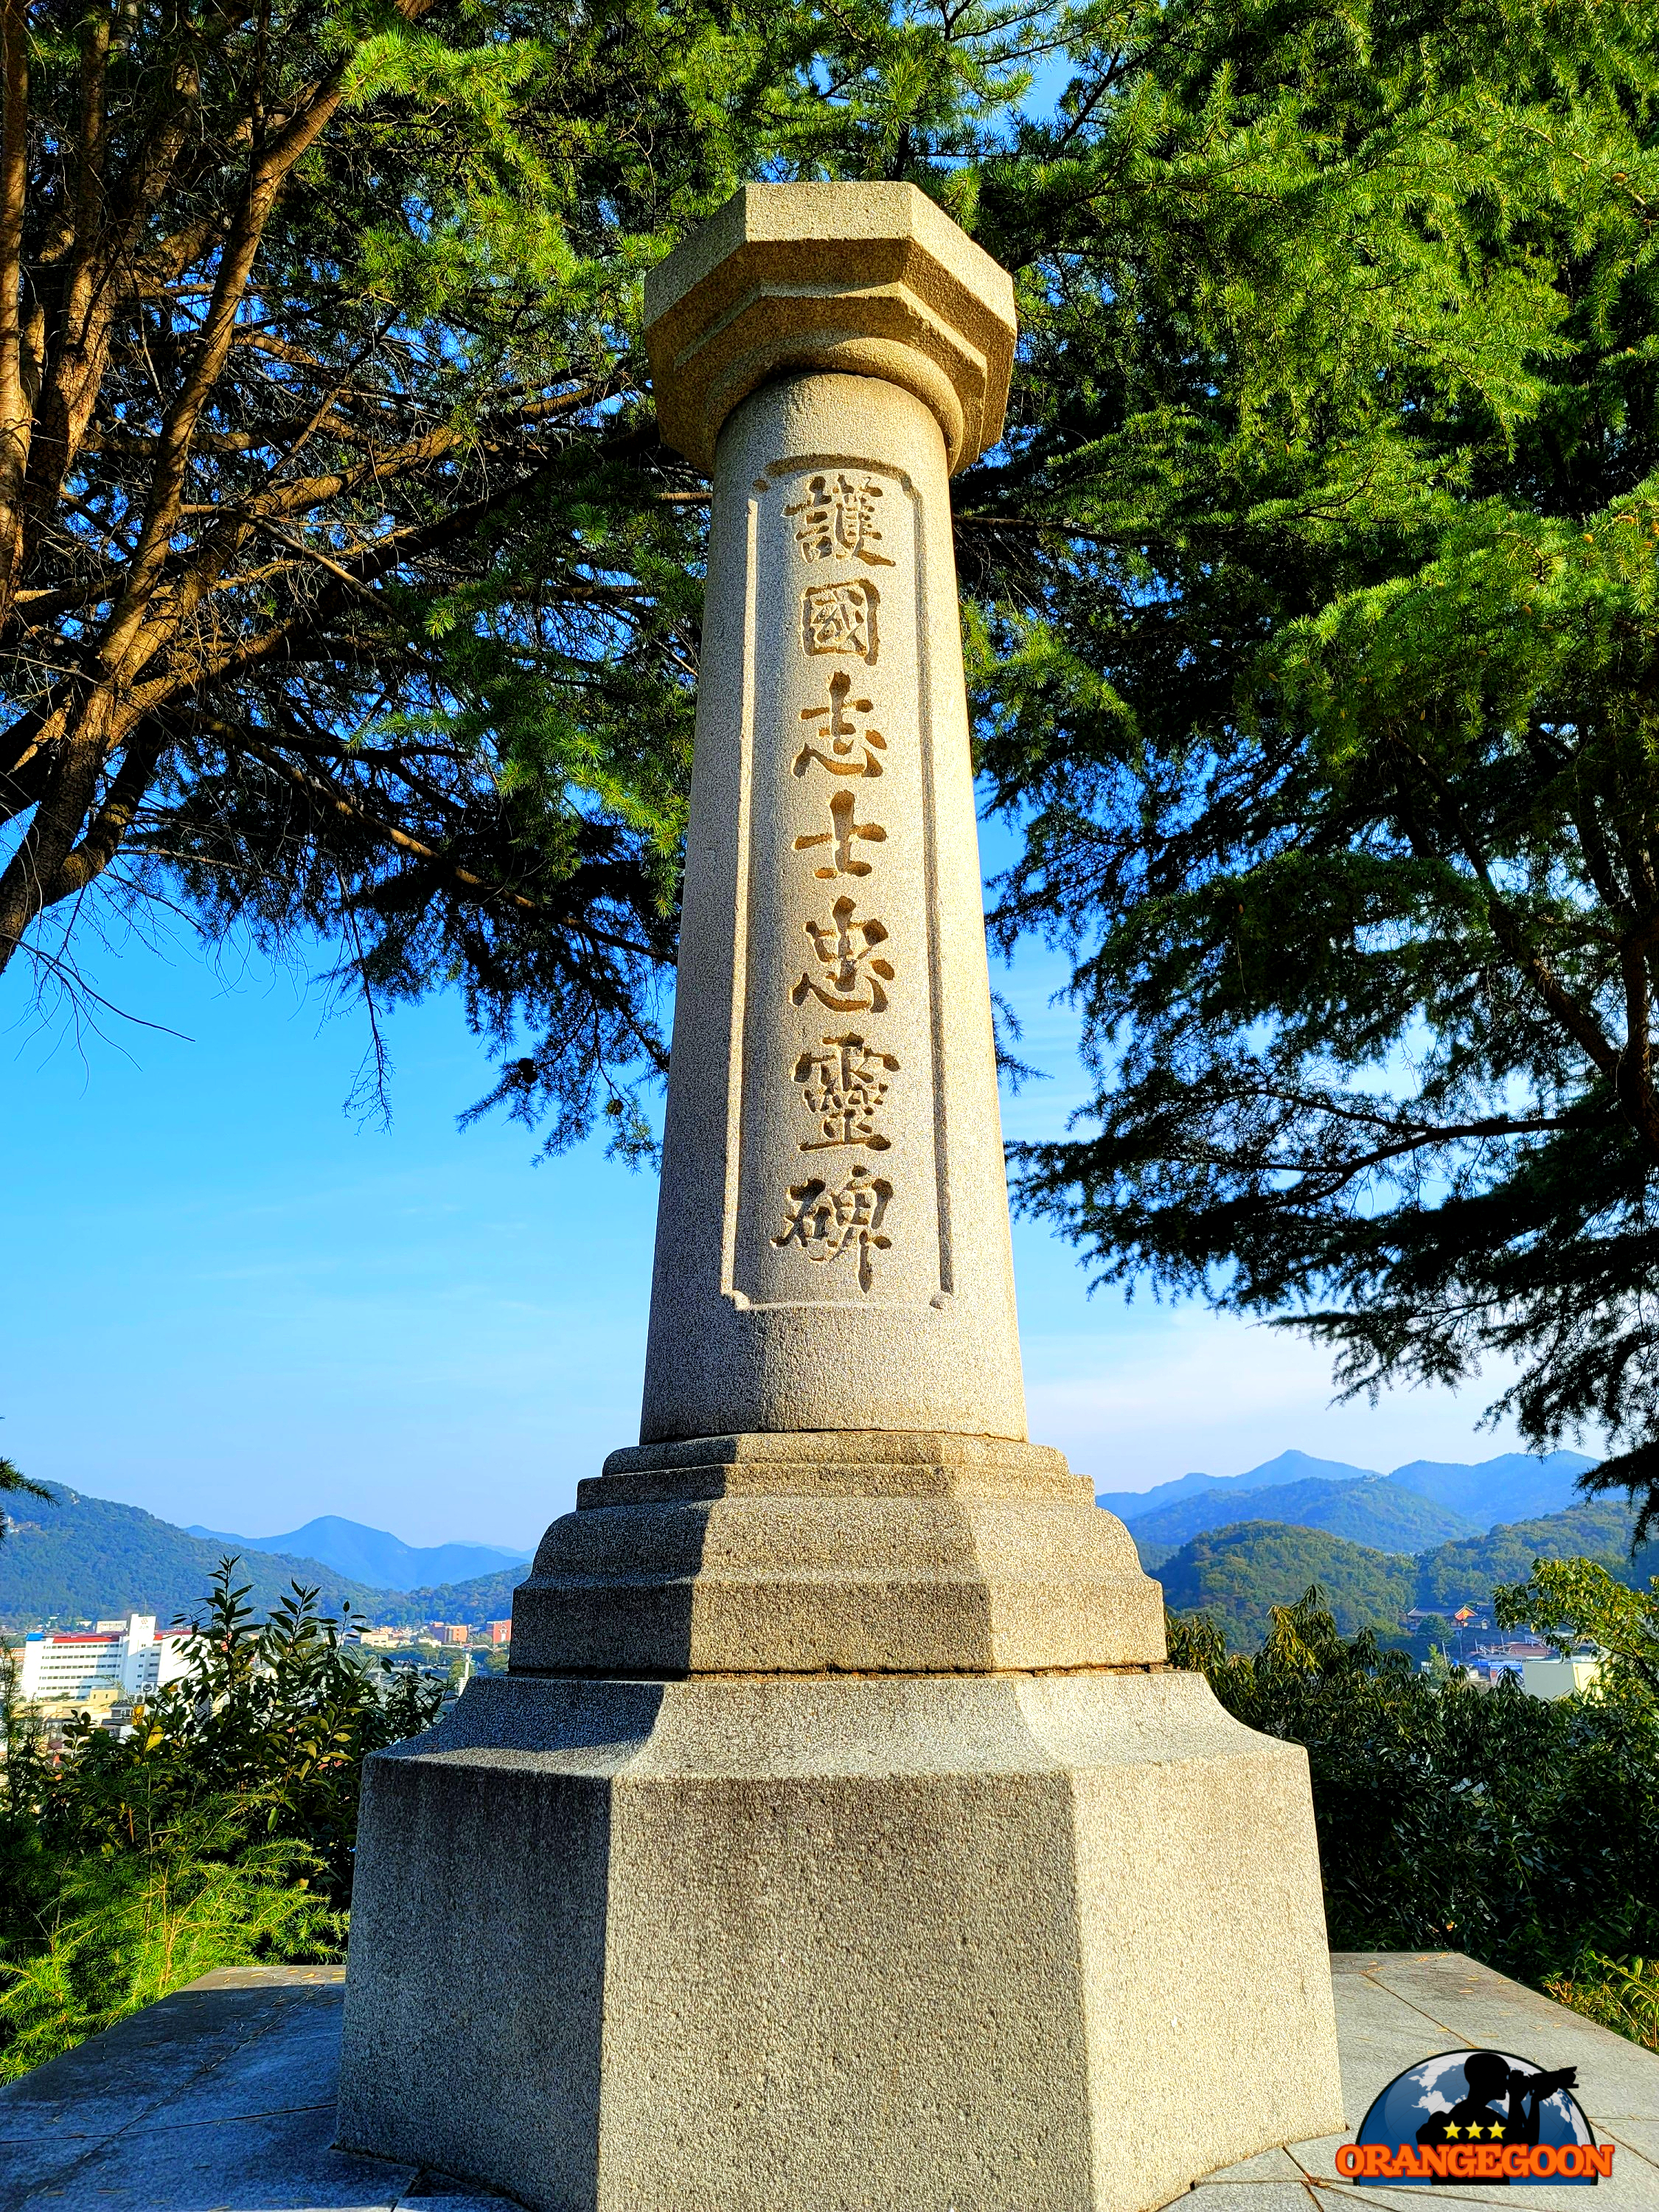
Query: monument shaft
[[832, 1244], [840, 1840]]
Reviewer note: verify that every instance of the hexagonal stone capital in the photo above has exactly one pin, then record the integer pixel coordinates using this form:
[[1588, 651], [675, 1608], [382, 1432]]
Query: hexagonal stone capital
[[871, 280]]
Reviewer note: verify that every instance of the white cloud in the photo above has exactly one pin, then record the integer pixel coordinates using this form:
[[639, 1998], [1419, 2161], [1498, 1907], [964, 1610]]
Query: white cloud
[[1156, 1392]]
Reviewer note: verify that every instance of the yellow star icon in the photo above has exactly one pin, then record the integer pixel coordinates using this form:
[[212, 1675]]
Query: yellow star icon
[[1452, 2132]]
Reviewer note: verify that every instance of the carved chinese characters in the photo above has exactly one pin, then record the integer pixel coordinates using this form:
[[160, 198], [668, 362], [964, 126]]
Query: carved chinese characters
[[841, 618], [853, 748], [838, 521], [845, 834], [846, 1081], [838, 516], [839, 930], [826, 1223], [851, 972]]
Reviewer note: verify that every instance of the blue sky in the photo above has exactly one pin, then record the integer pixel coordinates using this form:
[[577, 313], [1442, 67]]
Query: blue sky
[[228, 1303]]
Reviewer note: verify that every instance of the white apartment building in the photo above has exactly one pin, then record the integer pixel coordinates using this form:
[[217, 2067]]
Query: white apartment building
[[125, 1657]]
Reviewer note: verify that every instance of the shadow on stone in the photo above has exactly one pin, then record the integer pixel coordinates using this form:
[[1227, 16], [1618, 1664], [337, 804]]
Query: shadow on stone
[[479, 1924]]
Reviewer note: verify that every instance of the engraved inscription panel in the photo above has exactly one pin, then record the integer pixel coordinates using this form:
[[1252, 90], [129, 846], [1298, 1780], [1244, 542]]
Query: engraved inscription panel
[[837, 1196]]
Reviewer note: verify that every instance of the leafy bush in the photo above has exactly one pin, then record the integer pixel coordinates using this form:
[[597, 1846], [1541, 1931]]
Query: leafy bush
[[218, 1833], [1620, 1994], [1451, 1817]]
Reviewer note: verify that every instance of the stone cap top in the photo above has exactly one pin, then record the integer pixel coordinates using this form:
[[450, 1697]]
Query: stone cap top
[[872, 280]]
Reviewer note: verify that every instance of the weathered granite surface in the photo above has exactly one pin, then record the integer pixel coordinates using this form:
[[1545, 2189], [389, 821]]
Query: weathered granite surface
[[872, 1552], [872, 281], [832, 1243], [897, 1942], [221, 2100]]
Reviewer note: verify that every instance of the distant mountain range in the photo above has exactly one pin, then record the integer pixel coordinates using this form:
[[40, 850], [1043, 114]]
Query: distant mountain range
[[1239, 1573], [1375, 1510], [1431, 1534], [81, 1558], [372, 1557], [89, 1559], [1424, 1503]]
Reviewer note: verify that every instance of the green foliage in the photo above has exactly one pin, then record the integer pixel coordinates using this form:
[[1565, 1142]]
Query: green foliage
[[219, 1833], [345, 588], [1316, 653], [1311, 593], [1622, 1993], [107, 1933], [13, 1479], [1451, 1818], [1574, 1601]]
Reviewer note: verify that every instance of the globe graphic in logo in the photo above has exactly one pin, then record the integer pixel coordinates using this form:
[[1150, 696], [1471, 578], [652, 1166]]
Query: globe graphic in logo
[[1480, 2097]]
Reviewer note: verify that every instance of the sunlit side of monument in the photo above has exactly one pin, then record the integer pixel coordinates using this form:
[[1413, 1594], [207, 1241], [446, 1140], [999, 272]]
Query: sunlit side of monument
[[841, 1837]]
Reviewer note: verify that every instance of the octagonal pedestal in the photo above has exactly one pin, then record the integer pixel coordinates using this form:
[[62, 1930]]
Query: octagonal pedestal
[[1004, 1943]]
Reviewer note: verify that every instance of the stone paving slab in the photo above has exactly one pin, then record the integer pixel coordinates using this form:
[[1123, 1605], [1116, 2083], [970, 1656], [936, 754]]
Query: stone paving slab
[[1394, 2009], [220, 2098]]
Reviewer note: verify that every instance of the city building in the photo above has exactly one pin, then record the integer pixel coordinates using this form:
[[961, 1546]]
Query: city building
[[1558, 1677], [1536, 1667], [456, 1632], [118, 1658], [500, 1632]]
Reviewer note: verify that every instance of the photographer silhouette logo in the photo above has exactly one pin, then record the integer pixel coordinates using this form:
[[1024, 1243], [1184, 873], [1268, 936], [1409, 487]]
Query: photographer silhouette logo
[[1477, 2115]]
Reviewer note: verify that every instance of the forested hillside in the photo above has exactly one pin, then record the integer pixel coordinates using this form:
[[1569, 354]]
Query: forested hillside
[[90, 1559], [486, 1597], [1374, 1511], [1456, 1573], [87, 1559], [1239, 1573]]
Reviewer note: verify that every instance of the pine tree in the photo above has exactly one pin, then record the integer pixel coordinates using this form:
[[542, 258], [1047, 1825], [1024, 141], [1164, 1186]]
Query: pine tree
[[345, 590], [1317, 656]]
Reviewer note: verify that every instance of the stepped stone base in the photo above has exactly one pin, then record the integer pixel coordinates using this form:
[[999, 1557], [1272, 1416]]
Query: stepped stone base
[[869, 1550], [999, 1941]]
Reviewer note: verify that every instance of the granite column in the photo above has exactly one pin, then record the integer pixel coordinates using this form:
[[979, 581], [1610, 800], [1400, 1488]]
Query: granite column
[[841, 1837]]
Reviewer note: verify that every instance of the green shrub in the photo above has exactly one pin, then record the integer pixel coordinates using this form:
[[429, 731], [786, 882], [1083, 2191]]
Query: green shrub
[[218, 1833], [1622, 1993], [1454, 1817]]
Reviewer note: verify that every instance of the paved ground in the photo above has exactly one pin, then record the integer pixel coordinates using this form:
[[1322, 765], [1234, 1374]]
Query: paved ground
[[221, 2100]]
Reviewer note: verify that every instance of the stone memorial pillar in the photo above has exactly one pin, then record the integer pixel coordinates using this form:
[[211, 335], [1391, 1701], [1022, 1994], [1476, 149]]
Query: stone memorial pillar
[[841, 1837]]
